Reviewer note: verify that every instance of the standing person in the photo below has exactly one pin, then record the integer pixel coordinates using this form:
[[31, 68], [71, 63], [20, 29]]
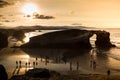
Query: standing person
[[70, 66], [36, 58], [26, 64], [93, 52], [29, 64], [77, 66], [41, 58], [25, 67], [33, 64], [108, 72], [94, 65], [46, 60], [36, 63], [20, 63], [91, 63], [16, 64]]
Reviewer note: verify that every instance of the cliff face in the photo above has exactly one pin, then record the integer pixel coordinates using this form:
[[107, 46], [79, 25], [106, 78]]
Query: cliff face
[[103, 39], [73, 38], [3, 40]]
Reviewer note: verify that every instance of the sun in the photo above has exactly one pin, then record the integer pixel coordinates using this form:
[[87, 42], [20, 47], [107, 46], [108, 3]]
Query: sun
[[29, 9]]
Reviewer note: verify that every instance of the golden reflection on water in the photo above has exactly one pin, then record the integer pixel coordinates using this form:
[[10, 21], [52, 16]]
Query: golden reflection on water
[[21, 57], [114, 58], [26, 39], [113, 63]]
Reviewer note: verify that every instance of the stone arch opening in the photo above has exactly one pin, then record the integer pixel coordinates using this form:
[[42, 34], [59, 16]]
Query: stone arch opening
[[92, 40]]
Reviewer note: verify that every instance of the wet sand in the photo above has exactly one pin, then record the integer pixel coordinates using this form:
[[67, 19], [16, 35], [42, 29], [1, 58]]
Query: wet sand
[[103, 62]]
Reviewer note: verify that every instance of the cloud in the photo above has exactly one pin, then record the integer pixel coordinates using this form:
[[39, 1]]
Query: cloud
[[3, 3], [76, 24], [72, 12], [8, 21], [1, 15], [38, 16]]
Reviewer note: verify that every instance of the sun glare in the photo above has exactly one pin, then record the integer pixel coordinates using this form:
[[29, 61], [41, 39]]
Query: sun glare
[[26, 39], [29, 9]]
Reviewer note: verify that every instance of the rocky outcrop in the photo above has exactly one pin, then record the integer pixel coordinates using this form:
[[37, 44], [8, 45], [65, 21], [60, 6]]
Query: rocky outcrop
[[19, 35], [72, 38], [37, 74], [3, 73], [3, 40], [103, 39]]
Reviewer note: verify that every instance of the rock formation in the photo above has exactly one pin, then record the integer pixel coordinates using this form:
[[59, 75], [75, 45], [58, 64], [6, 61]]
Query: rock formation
[[3, 73], [37, 74], [72, 38], [3, 40], [19, 35], [103, 39]]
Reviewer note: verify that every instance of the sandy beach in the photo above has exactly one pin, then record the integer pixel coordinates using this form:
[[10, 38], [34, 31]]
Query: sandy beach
[[71, 76]]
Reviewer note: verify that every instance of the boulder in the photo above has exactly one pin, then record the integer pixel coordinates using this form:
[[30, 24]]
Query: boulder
[[3, 73], [103, 39], [38, 73]]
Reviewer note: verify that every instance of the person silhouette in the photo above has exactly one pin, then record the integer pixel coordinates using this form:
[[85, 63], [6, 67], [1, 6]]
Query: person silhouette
[[36, 58], [20, 63], [70, 66], [29, 64], [91, 63], [77, 66], [33, 64], [16, 64], [94, 65], [108, 72], [26, 64]]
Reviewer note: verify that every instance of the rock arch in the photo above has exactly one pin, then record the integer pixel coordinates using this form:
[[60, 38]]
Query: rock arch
[[72, 38], [103, 39]]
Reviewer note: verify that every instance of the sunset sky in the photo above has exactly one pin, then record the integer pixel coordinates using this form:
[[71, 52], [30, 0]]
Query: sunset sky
[[90, 13]]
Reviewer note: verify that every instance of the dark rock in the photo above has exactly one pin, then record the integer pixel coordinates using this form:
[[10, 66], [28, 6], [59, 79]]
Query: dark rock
[[38, 73], [3, 73], [72, 38], [3, 40], [19, 34], [19, 77], [103, 39]]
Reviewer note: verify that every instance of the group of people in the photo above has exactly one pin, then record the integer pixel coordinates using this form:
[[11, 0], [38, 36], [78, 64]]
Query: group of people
[[28, 64], [18, 64], [77, 66]]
